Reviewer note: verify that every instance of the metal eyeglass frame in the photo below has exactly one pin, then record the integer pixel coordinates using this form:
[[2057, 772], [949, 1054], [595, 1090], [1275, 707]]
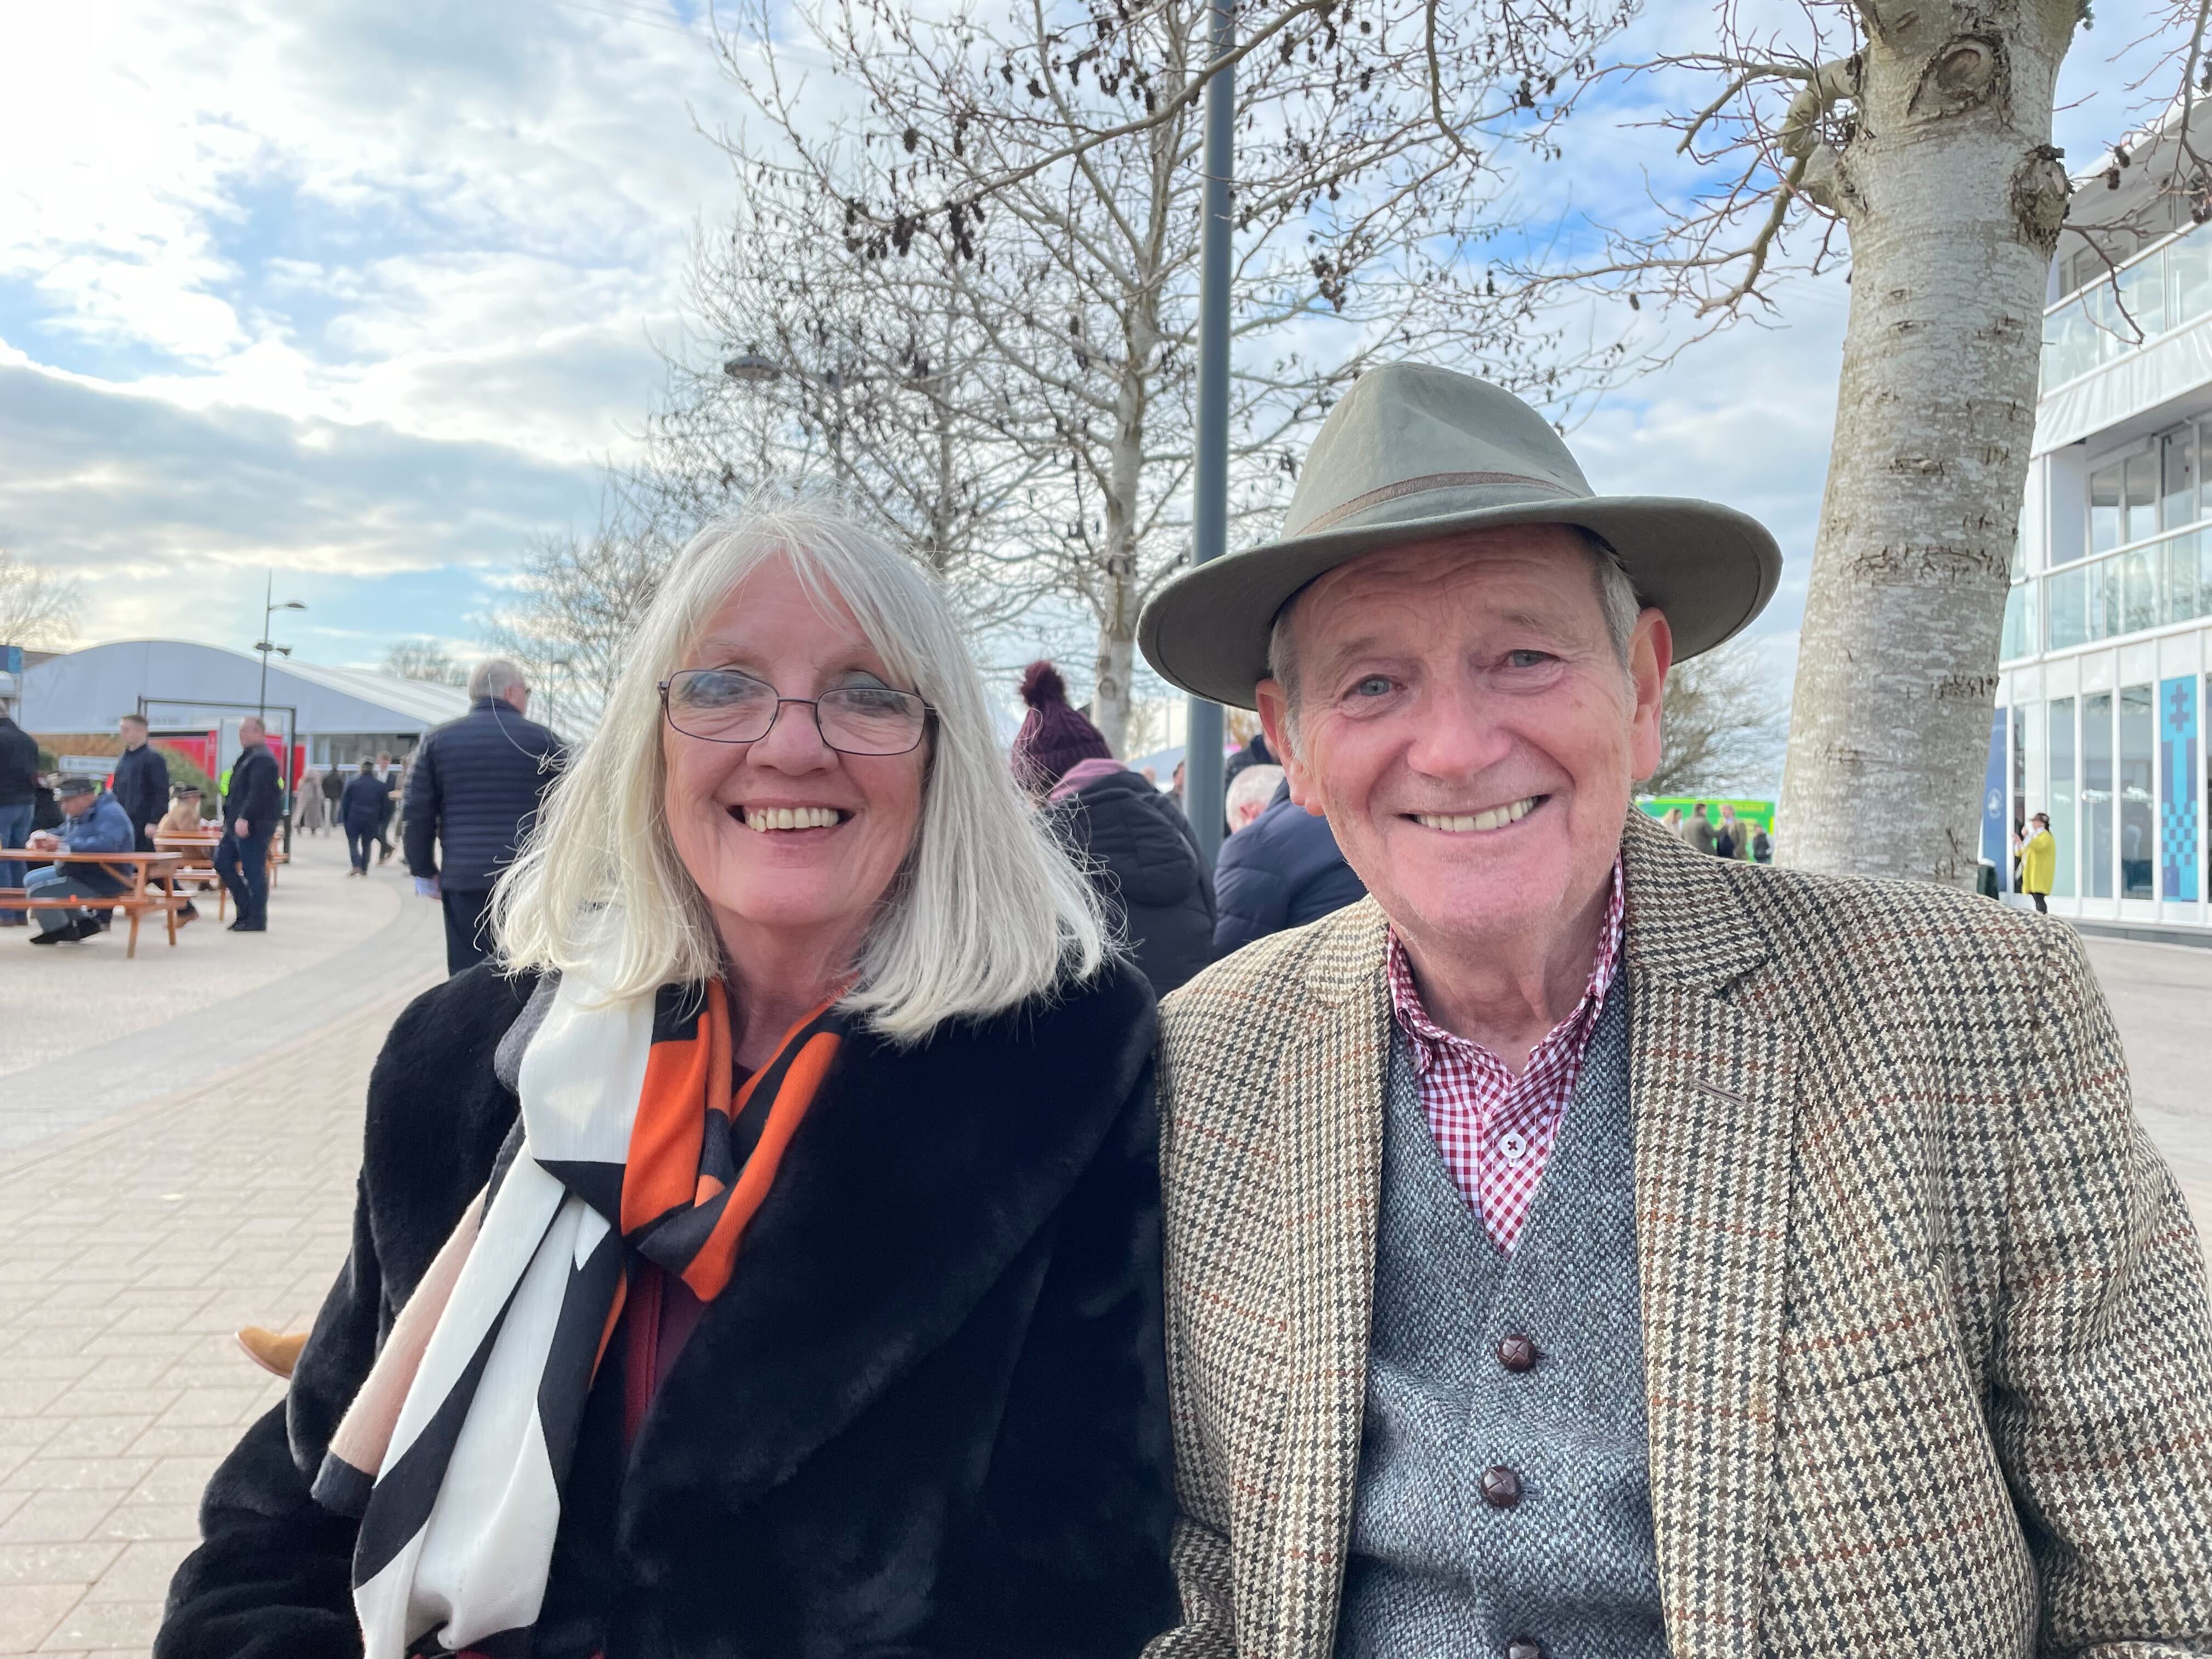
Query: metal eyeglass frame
[[813, 704]]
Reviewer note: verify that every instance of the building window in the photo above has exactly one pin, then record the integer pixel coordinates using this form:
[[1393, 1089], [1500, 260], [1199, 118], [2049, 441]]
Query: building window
[[2097, 795], [2019, 621], [2138, 820], [2107, 523], [2062, 797], [2068, 595], [2188, 576], [2177, 494]]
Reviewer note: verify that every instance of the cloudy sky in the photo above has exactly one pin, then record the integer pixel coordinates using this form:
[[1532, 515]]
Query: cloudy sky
[[361, 291]]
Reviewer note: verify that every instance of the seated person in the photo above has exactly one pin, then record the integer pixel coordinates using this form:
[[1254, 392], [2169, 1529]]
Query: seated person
[[92, 821], [183, 818]]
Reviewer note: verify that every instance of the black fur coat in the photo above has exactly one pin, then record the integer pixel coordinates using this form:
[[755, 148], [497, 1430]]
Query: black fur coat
[[927, 1421]]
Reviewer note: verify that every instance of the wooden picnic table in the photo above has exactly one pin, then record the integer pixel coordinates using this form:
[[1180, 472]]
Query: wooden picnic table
[[198, 851], [136, 898]]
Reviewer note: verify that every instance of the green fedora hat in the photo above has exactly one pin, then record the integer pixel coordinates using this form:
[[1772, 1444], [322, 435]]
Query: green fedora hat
[[1414, 452]]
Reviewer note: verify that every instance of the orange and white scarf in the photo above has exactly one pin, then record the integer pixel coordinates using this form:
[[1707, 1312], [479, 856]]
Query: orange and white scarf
[[455, 1451]]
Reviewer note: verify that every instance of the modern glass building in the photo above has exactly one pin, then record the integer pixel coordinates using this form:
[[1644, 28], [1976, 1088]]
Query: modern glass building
[[2103, 691]]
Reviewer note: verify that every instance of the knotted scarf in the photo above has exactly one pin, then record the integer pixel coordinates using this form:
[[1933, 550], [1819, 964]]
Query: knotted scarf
[[456, 1449]]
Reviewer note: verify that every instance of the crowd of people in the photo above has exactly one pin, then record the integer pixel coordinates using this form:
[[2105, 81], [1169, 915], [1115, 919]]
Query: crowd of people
[[1726, 838], [813, 1233], [465, 804]]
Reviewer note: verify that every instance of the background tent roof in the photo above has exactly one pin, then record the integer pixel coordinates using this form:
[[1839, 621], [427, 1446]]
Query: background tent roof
[[87, 690]]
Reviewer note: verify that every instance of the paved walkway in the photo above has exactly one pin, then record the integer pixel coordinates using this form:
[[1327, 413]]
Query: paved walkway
[[84, 1032], [132, 1245]]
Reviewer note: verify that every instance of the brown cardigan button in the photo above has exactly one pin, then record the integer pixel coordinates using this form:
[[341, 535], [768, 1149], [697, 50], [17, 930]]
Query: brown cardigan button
[[1516, 1353], [1501, 1487]]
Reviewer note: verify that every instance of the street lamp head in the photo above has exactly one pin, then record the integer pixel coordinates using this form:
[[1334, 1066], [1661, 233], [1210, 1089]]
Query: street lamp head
[[750, 367], [292, 605]]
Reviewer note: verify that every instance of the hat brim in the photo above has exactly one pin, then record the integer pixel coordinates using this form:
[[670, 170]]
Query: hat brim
[[1710, 568]]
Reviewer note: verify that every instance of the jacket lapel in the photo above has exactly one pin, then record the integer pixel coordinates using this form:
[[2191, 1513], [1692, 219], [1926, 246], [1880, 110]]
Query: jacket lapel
[[1713, 1092], [1329, 1106]]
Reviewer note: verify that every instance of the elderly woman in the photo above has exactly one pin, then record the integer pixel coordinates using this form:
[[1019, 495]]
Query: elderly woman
[[764, 1260]]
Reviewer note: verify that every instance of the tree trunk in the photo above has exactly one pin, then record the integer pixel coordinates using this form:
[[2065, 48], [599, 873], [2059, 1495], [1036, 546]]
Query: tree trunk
[[1116, 583], [1117, 656], [1953, 200]]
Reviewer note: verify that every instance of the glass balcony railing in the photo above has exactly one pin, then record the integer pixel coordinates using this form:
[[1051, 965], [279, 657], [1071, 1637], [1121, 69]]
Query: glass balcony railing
[[2153, 295], [2128, 592]]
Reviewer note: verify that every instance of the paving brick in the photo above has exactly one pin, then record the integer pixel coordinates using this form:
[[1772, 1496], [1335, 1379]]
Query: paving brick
[[58, 1517], [138, 1571], [116, 1474], [56, 1563], [29, 1612], [102, 1623]]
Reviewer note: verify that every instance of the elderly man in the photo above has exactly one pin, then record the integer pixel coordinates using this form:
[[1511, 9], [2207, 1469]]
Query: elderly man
[[1584, 1248], [91, 822], [472, 795]]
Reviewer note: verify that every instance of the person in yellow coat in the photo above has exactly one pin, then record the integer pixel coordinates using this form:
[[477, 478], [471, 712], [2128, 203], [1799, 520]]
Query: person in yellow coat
[[2039, 861]]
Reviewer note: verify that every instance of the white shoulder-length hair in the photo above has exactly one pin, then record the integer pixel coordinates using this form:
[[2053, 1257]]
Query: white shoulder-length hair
[[986, 912]]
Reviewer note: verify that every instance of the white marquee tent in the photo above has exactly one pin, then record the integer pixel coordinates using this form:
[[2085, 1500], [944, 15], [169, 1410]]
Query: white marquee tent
[[344, 712]]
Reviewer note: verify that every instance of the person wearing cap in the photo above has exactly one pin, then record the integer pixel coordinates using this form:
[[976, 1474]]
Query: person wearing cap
[[1583, 1247], [92, 821]]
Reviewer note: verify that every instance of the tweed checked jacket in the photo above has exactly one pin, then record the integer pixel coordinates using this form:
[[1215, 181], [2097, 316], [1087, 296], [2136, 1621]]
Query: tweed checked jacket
[[1927, 1349]]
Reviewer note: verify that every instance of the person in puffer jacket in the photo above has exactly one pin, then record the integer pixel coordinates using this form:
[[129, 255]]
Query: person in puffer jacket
[[1282, 870], [1131, 840]]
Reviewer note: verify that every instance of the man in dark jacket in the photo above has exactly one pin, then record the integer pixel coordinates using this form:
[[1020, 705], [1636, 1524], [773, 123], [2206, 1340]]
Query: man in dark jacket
[[1282, 870], [19, 783], [142, 779], [472, 798], [250, 808], [362, 810], [142, 788]]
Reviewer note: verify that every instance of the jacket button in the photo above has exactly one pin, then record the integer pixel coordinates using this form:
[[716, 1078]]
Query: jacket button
[[1524, 1649], [1501, 1487], [1516, 1353]]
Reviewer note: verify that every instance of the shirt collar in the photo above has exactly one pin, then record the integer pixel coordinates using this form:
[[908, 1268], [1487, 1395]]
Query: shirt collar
[[1429, 1039]]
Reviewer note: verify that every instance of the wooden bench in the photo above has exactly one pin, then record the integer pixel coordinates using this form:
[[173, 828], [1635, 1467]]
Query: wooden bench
[[136, 898], [198, 852], [196, 855]]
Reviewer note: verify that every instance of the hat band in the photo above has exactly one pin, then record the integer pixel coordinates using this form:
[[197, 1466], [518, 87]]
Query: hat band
[[1391, 492]]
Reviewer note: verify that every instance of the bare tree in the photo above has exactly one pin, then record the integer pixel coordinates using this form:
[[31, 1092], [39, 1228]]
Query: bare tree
[[1016, 187], [1916, 139], [578, 601], [424, 659], [1725, 724], [37, 606], [809, 362]]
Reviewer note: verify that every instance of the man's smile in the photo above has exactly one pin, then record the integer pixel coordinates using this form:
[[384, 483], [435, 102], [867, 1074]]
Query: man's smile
[[1494, 818]]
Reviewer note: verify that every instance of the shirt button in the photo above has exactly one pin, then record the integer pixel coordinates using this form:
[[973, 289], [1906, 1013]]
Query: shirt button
[[1513, 1145], [1516, 1353], [1501, 1487], [1524, 1649]]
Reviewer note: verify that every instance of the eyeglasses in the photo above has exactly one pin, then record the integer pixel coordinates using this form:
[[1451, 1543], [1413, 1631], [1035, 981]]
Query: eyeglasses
[[720, 705]]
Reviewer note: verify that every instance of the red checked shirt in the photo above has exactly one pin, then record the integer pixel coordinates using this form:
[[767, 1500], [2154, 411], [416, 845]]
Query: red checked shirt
[[1496, 1130]]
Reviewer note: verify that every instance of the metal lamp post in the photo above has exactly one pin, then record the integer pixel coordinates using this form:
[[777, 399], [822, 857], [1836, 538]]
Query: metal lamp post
[[1202, 767], [269, 608]]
